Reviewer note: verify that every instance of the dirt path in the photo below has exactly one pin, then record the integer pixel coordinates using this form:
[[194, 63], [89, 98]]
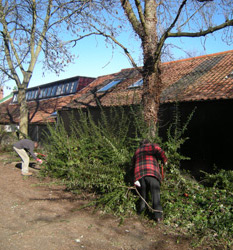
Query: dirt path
[[45, 217]]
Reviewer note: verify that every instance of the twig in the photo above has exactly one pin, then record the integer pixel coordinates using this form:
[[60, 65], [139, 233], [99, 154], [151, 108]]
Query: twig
[[153, 210]]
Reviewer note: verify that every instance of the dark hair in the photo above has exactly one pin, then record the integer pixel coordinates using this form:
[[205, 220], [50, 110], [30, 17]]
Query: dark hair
[[144, 141]]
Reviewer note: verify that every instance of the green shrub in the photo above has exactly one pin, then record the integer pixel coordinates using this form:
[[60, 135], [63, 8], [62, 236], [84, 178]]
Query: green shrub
[[96, 157], [6, 140], [222, 179], [199, 210]]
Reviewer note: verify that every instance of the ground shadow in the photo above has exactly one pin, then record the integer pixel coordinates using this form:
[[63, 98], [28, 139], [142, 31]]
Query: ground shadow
[[31, 165]]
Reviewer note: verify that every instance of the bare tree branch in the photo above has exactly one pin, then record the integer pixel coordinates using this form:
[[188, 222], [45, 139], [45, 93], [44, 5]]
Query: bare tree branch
[[202, 33], [29, 27], [166, 33], [137, 26], [100, 33]]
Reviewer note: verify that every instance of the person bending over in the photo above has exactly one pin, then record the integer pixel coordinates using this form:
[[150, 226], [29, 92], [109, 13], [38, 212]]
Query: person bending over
[[23, 148], [147, 174]]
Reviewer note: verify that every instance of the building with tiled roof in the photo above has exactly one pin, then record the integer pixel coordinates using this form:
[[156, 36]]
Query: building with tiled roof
[[204, 83], [6, 98], [201, 78], [43, 101]]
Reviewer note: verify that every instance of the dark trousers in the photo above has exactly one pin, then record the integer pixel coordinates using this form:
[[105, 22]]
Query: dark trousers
[[150, 183]]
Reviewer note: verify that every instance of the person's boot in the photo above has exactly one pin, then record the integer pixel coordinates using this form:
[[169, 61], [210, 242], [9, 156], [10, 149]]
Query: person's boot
[[158, 217], [27, 174]]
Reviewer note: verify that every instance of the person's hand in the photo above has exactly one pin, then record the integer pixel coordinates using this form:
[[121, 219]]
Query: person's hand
[[137, 183], [39, 160]]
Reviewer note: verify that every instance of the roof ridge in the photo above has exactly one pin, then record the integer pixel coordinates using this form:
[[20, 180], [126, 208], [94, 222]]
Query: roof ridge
[[6, 98], [198, 57], [180, 60]]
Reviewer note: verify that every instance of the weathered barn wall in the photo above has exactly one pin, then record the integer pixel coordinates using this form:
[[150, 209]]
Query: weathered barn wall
[[210, 133]]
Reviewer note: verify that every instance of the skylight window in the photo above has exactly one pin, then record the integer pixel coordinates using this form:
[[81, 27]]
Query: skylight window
[[15, 97], [51, 90], [66, 88], [73, 87], [28, 95], [230, 75], [59, 88], [35, 94], [42, 92], [136, 84], [54, 90], [110, 85]]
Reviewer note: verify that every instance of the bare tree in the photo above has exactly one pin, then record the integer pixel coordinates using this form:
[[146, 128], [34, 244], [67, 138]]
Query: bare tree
[[36, 29], [156, 22]]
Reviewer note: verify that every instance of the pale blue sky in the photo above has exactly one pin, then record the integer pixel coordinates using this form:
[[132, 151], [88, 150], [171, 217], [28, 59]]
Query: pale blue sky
[[96, 58]]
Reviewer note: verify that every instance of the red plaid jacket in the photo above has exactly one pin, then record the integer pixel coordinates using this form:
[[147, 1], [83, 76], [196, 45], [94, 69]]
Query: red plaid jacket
[[145, 161]]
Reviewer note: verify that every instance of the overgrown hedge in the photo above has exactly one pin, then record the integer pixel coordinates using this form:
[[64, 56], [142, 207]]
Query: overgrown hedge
[[6, 139], [97, 158]]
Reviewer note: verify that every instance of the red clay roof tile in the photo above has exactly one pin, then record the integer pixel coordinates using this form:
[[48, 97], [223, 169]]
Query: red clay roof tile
[[40, 110], [207, 77], [193, 79]]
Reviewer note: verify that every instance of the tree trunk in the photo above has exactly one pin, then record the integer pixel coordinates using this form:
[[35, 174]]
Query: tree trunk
[[151, 70], [151, 97], [23, 124]]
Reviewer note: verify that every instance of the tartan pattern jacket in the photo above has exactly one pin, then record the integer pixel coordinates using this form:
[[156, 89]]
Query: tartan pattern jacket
[[145, 161]]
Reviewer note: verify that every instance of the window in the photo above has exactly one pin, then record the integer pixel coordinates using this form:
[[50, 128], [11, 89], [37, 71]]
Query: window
[[73, 87], [34, 94], [15, 97], [45, 92], [62, 89], [42, 93], [65, 88], [49, 92], [54, 89], [59, 88], [68, 87], [31, 97], [230, 75], [54, 114], [110, 85], [28, 95], [137, 84]]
